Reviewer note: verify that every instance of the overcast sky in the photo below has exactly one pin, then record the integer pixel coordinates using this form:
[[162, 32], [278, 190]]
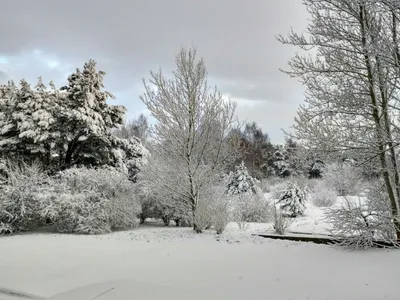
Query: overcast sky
[[128, 38]]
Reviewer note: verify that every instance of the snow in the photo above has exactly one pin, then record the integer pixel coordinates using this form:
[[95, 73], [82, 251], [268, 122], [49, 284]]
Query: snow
[[235, 265]]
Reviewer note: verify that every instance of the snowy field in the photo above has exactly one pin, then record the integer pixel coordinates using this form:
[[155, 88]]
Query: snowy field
[[235, 265]]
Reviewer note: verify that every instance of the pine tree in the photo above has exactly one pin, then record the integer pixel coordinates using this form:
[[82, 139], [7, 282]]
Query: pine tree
[[243, 187], [292, 200], [87, 119], [280, 165], [39, 128], [240, 182], [317, 168], [8, 126]]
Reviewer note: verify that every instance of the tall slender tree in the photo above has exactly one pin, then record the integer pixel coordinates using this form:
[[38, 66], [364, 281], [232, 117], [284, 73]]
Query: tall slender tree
[[192, 130]]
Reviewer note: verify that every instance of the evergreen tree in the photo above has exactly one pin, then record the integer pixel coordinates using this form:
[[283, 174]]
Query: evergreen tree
[[8, 126], [279, 163], [254, 149], [67, 127], [292, 200], [87, 119], [317, 168], [240, 182]]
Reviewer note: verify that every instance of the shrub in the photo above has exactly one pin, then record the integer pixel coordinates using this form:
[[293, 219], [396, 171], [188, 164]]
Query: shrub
[[281, 222], [94, 201], [292, 200], [361, 225], [242, 188], [323, 195], [345, 179], [256, 210], [20, 191], [267, 184], [213, 209], [220, 217]]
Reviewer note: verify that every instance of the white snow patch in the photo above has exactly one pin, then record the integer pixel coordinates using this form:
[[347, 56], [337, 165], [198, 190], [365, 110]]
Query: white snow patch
[[235, 265]]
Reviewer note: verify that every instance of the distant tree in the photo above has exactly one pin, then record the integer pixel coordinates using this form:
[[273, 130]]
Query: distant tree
[[138, 127], [255, 149], [193, 125], [279, 164]]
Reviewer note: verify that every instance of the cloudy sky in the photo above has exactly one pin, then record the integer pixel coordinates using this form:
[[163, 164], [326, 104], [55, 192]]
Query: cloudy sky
[[129, 38]]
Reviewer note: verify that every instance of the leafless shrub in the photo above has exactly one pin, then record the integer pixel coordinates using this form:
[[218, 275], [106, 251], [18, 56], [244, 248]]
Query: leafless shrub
[[345, 179], [323, 195], [214, 208], [281, 222], [359, 225], [250, 209], [305, 183], [220, 214]]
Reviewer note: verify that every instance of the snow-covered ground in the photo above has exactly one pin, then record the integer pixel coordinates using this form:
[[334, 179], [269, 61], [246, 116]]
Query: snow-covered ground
[[233, 266]]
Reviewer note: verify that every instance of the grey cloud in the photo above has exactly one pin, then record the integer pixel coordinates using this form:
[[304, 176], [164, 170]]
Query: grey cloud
[[236, 38], [3, 77]]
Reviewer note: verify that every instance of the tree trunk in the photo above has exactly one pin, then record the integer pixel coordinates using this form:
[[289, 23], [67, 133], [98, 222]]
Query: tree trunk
[[378, 125]]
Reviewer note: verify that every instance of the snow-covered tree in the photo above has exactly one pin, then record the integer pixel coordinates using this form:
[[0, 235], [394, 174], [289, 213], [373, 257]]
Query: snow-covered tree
[[193, 126], [87, 119], [28, 122], [240, 182], [9, 141], [316, 169], [244, 188], [38, 131], [137, 127], [280, 165], [292, 200], [67, 127], [352, 95], [254, 149]]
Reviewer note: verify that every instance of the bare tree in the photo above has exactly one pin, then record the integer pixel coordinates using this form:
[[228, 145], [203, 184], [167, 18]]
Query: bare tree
[[352, 83], [192, 130], [138, 127]]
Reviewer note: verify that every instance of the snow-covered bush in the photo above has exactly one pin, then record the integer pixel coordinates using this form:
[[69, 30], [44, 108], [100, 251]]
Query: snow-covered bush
[[256, 209], [242, 188], [323, 195], [316, 169], [268, 184], [214, 208], [292, 200], [344, 178], [220, 217], [129, 156], [20, 195], [280, 222], [362, 223], [93, 201], [304, 183], [159, 202]]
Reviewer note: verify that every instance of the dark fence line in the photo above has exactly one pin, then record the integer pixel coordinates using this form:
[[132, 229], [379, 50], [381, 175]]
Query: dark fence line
[[326, 240]]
